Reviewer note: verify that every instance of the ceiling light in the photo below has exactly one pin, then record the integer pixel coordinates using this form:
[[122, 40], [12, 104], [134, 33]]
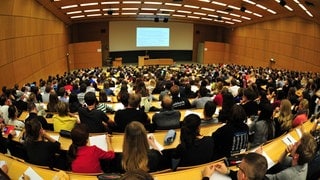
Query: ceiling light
[[173, 4], [208, 9], [70, 6], [218, 3], [150, 2], [243, 9], [110, 2], [89, 4]]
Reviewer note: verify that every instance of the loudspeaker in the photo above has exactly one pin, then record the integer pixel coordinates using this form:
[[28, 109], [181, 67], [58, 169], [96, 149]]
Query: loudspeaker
[[156, 19], [282, 2], [110, 12], [165, 20]]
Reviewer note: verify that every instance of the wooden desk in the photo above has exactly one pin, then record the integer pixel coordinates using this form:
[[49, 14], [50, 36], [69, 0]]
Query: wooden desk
[[17, 168], [144, 60], [117, 139], [25, 114]]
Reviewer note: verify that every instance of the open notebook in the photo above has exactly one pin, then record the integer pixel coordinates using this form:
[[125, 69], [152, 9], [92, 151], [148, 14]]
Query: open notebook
[[99, 141]]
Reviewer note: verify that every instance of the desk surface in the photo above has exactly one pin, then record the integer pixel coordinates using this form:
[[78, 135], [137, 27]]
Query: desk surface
[[272, 149], [117, 139]]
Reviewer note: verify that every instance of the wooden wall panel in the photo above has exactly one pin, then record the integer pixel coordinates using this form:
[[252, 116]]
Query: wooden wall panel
[[33, 42], [292, 42], [86, 55], [214, 52]]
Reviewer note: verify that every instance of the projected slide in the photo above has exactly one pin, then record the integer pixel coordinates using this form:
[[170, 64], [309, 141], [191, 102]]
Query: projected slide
[[152, 37]]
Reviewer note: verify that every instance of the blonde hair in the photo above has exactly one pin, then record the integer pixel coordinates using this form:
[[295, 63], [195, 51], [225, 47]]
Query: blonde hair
[[62, 108], [285, 117], [135, 147]]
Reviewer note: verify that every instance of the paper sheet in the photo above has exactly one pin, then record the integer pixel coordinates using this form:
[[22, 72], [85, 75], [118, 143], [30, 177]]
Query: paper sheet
[[156, 142], [99, 141], [32, 174], [288, 140], [191, 112], [218, 176], [55, 137]]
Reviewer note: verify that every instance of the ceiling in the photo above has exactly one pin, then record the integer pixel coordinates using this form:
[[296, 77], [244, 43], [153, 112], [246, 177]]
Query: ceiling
[[227, 13]]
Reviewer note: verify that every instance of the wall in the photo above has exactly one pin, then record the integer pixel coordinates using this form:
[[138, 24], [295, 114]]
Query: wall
[[85, 55], [291, 42], [215, 53], [33, 43], [204, 33]]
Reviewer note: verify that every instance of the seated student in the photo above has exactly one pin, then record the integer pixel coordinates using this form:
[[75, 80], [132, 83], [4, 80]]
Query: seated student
[[3, 141], [248, 102], [234, 136], [194, 148], [179, 102], [167, 118], [202, 98], [40, 147], [137, 153], [252, 167], [53, 101], [84, 158], [208, 112], [102, 103], [137, 174], [64, 120], [12, 114], [302, 113], [96, 121], [296, 166], [131, 113], [283, 118], [263, 129], [313, 165], [33, 114]]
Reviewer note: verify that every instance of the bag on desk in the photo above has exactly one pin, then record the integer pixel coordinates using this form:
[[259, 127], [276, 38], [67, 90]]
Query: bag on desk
[[65, 133], [170, 137]]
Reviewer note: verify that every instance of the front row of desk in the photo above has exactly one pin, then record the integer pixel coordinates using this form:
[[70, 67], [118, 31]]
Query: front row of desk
[[272, 151]]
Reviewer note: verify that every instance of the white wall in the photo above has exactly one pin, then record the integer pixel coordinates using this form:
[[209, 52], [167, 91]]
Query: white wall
[[122, 35]]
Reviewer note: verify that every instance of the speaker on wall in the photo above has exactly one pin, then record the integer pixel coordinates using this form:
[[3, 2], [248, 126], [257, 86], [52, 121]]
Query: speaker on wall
[[156, 19], [165, 20]]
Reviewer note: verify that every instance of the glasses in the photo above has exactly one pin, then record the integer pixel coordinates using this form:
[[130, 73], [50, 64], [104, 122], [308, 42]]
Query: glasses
[[238, 166]]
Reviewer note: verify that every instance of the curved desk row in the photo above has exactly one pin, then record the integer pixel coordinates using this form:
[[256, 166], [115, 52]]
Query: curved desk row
[[273, 150]]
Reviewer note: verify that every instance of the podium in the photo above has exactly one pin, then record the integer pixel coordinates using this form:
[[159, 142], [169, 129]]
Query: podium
[[145, 60], [141, 60], [117, 62]]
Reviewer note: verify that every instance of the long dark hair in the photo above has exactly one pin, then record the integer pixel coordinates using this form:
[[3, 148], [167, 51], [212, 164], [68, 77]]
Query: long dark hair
[[33, 128], [79, 136], [190, 130]]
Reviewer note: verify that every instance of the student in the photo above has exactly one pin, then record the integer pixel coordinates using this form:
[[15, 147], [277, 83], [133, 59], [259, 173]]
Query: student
[[302, 113], [208, 112], [194, 149], [202, 98], [167, 118], [252, 167], [40, 147], [131, 113], [13, 119], [95, 120], [179, 102], [64, 120], [233, 137], [301, 153], [283, 118], [84, 158], [33, 114], [137, 174], [136, 149]]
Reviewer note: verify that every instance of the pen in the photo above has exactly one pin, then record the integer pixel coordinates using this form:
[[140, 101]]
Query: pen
[[289, 140]]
